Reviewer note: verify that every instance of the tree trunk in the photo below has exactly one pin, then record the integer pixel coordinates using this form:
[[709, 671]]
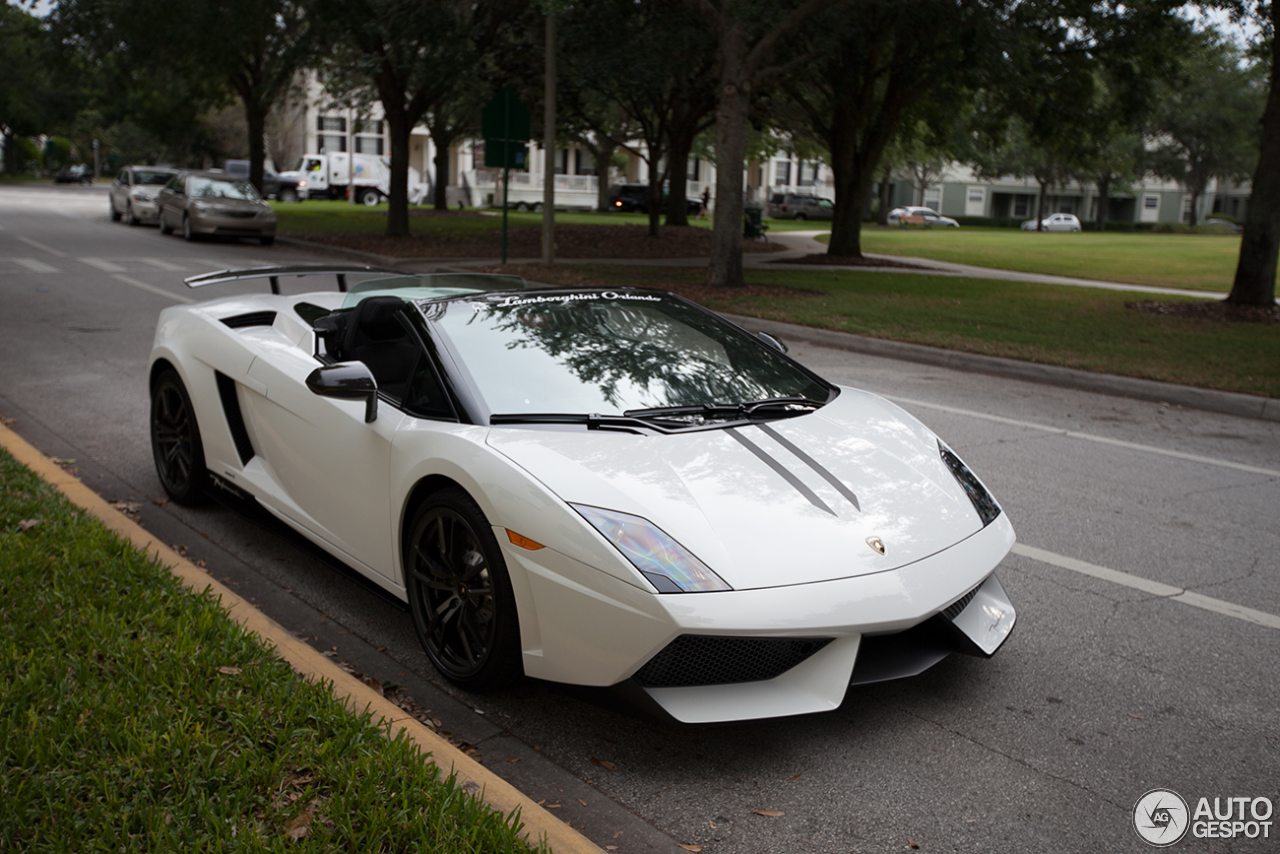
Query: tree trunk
[[1044, 189], [1255, 281], [1104, 201], [255, 115], [653, 201], [678, 158], [882, 217], [398, 130], [725, 269], [440, 192], [603, 154]]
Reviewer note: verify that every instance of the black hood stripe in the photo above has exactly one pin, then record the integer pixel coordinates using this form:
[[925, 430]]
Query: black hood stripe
[[823, 473], [781, 470]]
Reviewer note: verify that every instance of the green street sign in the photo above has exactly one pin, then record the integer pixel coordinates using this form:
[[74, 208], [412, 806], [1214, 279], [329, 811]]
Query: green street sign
[[504, 121]]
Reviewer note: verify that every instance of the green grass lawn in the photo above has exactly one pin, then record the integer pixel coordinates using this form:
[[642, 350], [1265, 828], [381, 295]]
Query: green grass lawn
[[1205, 262], [342, 217], [1057, 325], [135, 716]]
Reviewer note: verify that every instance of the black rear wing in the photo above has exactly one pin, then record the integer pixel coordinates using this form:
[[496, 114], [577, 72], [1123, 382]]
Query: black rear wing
[[274, 274]]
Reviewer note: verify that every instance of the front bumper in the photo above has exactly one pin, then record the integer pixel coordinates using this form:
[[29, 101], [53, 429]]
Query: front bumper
[[580, 626], [211, 222]]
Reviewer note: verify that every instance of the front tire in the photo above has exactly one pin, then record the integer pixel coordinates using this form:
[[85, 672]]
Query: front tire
[[130, 216], [460, 595], [288, 195], [164, 227], [187, 233], [115, 214], [175, 441]]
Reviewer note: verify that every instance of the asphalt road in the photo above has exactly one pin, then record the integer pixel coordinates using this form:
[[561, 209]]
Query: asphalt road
[[1146, 654]]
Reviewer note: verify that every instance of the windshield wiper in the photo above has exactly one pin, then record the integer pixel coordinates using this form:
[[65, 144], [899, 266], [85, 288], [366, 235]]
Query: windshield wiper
[[772, 405]]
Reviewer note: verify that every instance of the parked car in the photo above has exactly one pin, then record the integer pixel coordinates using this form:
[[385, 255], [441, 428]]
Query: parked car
[[917, 215], [215, 203], [1057, 222], [134, 193], [78, 174], [799, 206], [1225, 224], [605, 487], [274, 185], [635, 197]]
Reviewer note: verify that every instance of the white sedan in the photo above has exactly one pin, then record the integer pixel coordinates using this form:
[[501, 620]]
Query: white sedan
[[1057, 222], [915, 215], [598, 487]]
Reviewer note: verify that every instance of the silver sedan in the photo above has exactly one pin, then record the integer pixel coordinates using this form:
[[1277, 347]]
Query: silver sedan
[[214, 203], [134, 191]]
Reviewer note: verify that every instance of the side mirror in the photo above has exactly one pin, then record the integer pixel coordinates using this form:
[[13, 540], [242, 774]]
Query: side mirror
[[347, 381], [775, 343]]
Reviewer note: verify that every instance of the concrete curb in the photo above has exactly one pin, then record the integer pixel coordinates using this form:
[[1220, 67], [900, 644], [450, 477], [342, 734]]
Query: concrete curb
[[309, 663], [1225, 402]]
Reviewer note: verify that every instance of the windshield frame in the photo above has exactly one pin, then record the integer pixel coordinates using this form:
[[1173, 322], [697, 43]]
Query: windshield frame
[[474, 401]]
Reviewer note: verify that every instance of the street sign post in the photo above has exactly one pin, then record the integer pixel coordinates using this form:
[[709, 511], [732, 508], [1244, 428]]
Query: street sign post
[[504, 121]]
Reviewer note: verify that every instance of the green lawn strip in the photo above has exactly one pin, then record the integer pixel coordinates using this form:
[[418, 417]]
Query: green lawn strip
[[1074, 327], [135, 715], [1204, 262], [329, 217]]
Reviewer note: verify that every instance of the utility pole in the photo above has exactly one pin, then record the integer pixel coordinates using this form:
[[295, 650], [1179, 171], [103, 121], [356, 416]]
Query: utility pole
[[549, 149]]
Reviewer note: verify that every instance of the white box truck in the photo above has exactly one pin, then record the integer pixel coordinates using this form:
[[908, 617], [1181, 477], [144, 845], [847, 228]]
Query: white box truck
[[328, 176]]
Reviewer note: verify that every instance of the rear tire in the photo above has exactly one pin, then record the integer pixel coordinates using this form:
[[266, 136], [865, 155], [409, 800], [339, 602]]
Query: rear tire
[[267, 240], [464, 610], [175, 441], [368, 198]]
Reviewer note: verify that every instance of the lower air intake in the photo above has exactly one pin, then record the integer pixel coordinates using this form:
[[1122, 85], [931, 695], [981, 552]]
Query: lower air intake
[[691, 660]]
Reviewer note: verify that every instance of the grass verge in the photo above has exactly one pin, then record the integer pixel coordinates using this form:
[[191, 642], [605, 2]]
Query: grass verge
[[134, 715], [1073, 327], [1204, 262]]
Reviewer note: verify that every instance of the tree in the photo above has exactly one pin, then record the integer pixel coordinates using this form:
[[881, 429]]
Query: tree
[[746, 34], [884, 66], [36, 90], [205, 48], [1207, 119], [652, 76], [1255, 279], [412, 56]]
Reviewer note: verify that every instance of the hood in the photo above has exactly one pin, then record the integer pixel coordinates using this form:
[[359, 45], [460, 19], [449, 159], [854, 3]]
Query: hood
[[792, 501]]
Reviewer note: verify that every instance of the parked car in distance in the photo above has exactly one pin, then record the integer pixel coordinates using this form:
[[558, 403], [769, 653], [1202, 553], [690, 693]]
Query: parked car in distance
[[134, 193], [215, 203], [799, 206], [1056, 222], [78, 174], [274, 185], [1225, 224], [917, 215], [635, 198]]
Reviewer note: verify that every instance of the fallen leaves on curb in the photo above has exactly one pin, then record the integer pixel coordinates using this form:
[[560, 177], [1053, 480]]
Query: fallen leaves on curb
[[769, 813]]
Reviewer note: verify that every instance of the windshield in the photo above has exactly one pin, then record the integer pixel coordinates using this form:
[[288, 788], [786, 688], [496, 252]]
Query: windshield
[[146, 176], [428, 286], [610, 353], [218, 188]]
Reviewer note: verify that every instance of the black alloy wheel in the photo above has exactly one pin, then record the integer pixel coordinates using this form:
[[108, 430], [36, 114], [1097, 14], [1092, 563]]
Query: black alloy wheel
[[460, 595], [175, 441]]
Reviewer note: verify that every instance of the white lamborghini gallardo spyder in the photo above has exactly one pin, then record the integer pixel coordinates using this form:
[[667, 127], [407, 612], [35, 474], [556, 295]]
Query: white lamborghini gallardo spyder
[[599, 487]]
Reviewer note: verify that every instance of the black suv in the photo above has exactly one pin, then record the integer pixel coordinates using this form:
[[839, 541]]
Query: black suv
[[635, 197]]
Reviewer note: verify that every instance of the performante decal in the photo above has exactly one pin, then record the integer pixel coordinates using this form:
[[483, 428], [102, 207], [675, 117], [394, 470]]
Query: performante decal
[[790, 478], [813, 464]]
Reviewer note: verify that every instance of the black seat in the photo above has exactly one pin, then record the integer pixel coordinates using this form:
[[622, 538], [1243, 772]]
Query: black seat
[[375, 335]]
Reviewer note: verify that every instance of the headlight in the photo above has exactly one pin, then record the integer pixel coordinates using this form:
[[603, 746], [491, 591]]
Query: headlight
[[301, 184], [140, 196], [669, 566], [986, 506]]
